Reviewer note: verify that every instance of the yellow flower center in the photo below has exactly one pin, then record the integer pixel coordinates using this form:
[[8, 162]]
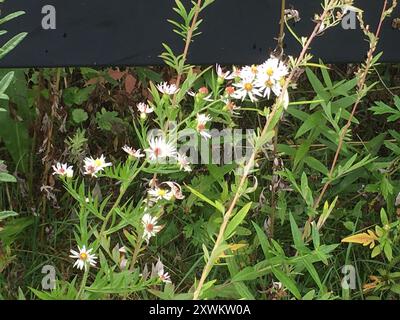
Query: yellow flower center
[[83, 256], [254, 69], [162, 192], [270, 72], [98, 163], [282, 81], [269, 83], [248, 86]]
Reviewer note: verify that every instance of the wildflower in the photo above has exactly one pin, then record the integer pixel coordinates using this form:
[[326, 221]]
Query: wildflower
[[271, 77], [246, 87], [160, 149], [93, 166], [133, 152], [158, 271], [229, 90], [268, 85], [222, 76], [249, 71], [168, 89], [202, 120], [274, 69], [158, 193], [202, 94], [176, 190], [183, 162], [231, 106], [63, 170], [84, 258], [236, 73], [150, 226], [144, 109]]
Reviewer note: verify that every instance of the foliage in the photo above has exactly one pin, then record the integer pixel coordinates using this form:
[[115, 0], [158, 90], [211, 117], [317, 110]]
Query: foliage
[[93, 188]]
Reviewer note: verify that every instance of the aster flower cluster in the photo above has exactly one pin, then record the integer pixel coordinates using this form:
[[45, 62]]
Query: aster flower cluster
[[258, 81]]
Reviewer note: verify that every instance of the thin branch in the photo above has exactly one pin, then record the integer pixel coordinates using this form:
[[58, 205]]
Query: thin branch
[[228, 214]]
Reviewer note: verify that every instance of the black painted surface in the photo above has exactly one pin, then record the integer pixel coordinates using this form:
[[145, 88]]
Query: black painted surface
[[130, 32]]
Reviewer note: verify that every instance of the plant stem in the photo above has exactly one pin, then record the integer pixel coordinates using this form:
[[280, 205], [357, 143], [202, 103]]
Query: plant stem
[[281, 27], [210, 263], [360, 95], [187, 44], [83, 283], [139, 242]]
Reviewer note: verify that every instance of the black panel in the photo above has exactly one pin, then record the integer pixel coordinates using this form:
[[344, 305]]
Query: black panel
[[130, 32]]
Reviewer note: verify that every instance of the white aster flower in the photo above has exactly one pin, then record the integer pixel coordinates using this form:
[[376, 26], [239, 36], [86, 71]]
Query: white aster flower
[[157, 271], [267, 85], [183, 162], [158, 193], [62, 169], [84, 258], [133, 152], [144, 109], [202, 120], [160, 149], [93, 166], [274, 69], [221, 74], [150, 226], [168, 89], [249, 71], [247, 88]]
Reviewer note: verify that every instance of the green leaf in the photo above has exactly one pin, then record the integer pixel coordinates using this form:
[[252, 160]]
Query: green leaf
[[79, 115], [7, 214], [237, 220], [262, 237], [296, 234], [317, 85], [6, 177], [11, 44], [205, 199], [5, 82], [388, 251], [316, 165], [313, 272], [287, 282]]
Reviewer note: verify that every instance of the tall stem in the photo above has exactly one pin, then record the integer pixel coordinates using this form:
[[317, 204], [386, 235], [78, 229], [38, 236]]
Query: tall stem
[[210, 263], [83, 283], [360, 86]]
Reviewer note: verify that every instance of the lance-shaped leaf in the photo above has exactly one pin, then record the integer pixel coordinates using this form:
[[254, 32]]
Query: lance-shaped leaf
[[366, 239]]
